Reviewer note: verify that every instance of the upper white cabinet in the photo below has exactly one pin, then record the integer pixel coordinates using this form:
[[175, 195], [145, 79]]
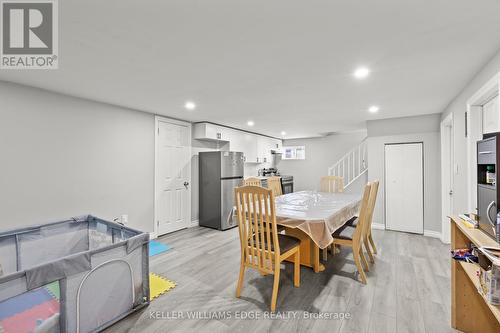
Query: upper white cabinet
[[491, 116], [256, 148], [236, 140], [208, 131], [251, 149], [264, 149]]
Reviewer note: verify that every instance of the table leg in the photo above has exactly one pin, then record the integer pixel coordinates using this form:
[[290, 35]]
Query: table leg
[[318, 267], [309, 251]]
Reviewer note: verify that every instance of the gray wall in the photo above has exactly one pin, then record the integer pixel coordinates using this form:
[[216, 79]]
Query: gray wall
[[416, 129], [321, 153], [63, 156], [458, 107]]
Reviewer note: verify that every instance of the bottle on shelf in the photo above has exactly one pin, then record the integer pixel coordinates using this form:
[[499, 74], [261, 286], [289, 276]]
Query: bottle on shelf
[[490, 175]]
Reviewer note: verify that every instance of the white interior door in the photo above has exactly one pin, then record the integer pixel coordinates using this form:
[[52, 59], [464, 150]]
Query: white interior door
[[173, 175], [404, 179]]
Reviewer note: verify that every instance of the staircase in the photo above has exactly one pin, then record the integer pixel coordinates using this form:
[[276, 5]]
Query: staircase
[[352, 165]]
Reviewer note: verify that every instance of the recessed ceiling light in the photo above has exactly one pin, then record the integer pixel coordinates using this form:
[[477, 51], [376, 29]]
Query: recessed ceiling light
[[361, 73], [373, 109], [250, 123], [283, 133], [190, 105]]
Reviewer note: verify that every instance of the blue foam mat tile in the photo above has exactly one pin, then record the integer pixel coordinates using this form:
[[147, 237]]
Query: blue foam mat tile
[[157, 248]]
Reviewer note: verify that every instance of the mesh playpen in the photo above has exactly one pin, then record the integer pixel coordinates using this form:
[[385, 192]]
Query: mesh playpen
[[78, 275]]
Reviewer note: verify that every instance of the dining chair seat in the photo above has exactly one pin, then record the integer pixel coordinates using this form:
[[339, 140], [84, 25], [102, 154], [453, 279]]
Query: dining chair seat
[[345, 232], [353, 221], [285, 242]]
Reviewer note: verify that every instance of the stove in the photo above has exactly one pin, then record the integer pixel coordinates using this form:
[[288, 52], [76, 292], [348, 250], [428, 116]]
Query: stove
[[287, 184]]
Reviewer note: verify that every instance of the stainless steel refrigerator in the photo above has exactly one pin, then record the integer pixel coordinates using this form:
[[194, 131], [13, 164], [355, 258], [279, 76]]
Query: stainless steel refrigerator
[[220, 172]]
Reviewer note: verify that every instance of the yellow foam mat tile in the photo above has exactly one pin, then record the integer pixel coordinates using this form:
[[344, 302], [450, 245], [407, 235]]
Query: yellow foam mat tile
[[158, 285]]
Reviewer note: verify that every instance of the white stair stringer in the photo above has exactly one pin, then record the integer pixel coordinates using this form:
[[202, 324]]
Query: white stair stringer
[[352, 165]]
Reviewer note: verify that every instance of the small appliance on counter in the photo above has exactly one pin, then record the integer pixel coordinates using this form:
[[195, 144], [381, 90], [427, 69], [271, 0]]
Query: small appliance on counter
[[286, 181], [269, 172], [220, 172]]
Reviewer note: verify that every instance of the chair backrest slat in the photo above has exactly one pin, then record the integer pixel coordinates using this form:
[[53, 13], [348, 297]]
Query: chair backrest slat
[[257, 225], [268, 231], [262, 229], [256, 220], [332, 184]]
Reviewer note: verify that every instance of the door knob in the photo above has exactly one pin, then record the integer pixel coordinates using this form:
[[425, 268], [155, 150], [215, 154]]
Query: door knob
[[186, 184]]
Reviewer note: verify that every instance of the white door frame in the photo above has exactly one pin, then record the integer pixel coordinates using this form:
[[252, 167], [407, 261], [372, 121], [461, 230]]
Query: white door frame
[[159, 119], [474, 132], [447, 175]]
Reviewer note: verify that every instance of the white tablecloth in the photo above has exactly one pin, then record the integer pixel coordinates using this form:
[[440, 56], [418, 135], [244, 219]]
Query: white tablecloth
[[318, 214]]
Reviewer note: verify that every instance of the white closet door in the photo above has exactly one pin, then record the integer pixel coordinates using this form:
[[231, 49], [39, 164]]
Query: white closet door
[[404, 185]]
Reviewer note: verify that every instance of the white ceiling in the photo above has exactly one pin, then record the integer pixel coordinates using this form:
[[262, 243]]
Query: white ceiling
[[286, 64]]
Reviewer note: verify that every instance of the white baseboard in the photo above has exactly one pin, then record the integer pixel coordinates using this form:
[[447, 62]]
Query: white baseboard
[[427, 233], [195, 223], [433, 234], [378, 226]]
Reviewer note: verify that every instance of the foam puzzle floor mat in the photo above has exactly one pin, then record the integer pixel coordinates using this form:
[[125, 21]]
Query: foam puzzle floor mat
[[158, 285], [157, 248], [26, 312]]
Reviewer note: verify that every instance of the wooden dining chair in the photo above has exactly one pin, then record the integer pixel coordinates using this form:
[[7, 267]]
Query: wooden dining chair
[[252, 181], [367, 233], [332, 184], [262, 247], [352, 236], [274, 184]]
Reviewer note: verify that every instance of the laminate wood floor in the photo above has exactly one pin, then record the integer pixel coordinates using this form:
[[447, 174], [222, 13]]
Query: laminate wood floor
[[408, 289]]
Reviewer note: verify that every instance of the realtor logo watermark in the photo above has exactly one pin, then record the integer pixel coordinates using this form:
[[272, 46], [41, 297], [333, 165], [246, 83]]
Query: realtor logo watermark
[[29, 33]]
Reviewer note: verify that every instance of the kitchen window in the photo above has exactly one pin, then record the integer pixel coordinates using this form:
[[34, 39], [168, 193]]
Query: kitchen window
[[294, 153]]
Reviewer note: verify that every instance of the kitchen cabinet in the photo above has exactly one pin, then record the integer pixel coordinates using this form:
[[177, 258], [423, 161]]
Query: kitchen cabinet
[[256, 148], [251, 150], [263, 148], [236, 141], [211, 132], [491, 116]]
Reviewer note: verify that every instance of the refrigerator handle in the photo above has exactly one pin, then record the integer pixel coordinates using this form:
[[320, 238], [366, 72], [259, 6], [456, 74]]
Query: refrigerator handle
[[230, 216], [488, 212]]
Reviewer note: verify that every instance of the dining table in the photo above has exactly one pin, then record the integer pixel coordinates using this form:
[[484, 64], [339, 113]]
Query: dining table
[[313, 217]]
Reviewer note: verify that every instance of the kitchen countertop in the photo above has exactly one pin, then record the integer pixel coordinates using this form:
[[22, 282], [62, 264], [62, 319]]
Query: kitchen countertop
[[265, 177]]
